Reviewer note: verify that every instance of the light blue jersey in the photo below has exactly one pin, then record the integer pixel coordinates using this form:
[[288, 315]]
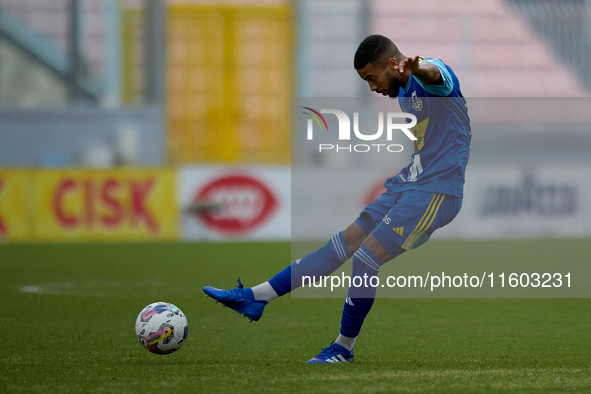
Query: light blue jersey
[[443, 132]]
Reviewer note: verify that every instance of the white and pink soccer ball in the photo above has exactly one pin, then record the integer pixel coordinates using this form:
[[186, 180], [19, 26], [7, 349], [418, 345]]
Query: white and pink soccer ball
[[161, 328]]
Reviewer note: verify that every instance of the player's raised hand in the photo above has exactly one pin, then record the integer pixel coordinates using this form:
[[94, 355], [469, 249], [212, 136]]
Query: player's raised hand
[[408, 66]]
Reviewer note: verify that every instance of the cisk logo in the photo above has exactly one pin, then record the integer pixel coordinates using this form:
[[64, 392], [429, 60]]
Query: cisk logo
[[394, 121]]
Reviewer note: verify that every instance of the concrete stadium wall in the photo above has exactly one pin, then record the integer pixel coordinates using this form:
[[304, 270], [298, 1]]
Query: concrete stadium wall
[[91, 137]]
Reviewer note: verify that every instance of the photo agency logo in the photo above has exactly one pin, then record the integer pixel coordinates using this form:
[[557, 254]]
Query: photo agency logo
[[395, 121]]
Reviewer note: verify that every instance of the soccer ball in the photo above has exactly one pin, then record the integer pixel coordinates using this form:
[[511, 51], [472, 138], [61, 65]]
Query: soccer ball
[[162, 328]]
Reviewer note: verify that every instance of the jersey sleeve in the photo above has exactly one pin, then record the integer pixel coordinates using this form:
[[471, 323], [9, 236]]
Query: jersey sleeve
[[443, 89]]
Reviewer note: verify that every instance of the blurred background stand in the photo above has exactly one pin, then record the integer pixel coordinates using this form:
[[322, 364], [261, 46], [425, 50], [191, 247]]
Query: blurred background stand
[[208, 85]]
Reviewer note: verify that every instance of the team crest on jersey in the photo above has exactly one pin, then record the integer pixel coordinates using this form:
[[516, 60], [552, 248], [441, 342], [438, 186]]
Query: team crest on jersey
[[417, 104]]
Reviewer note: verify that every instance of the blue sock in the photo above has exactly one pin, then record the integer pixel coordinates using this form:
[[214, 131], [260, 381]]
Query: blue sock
[[360, 298], [322, 262]]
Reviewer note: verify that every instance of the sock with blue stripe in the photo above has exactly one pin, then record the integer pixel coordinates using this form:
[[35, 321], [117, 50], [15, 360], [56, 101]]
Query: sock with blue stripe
[[323, 261], [359, 299]]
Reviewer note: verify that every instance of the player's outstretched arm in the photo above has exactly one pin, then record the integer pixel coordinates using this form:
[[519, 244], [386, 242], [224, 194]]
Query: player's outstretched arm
[[424, 71]]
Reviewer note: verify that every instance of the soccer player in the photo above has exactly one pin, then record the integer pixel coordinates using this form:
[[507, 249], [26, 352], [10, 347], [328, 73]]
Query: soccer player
[[422, 197]]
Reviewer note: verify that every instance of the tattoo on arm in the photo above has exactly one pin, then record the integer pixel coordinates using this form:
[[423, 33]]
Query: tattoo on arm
[[429, 74]]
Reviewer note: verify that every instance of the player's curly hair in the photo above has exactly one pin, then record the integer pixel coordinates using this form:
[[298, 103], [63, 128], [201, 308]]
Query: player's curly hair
[[373, 49]]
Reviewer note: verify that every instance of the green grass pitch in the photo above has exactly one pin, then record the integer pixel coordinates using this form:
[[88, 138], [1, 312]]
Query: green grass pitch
[[68, 312]]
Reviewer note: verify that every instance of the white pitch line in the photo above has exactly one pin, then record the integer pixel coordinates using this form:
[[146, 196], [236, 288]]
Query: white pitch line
[[30, 289], [82, 289]]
